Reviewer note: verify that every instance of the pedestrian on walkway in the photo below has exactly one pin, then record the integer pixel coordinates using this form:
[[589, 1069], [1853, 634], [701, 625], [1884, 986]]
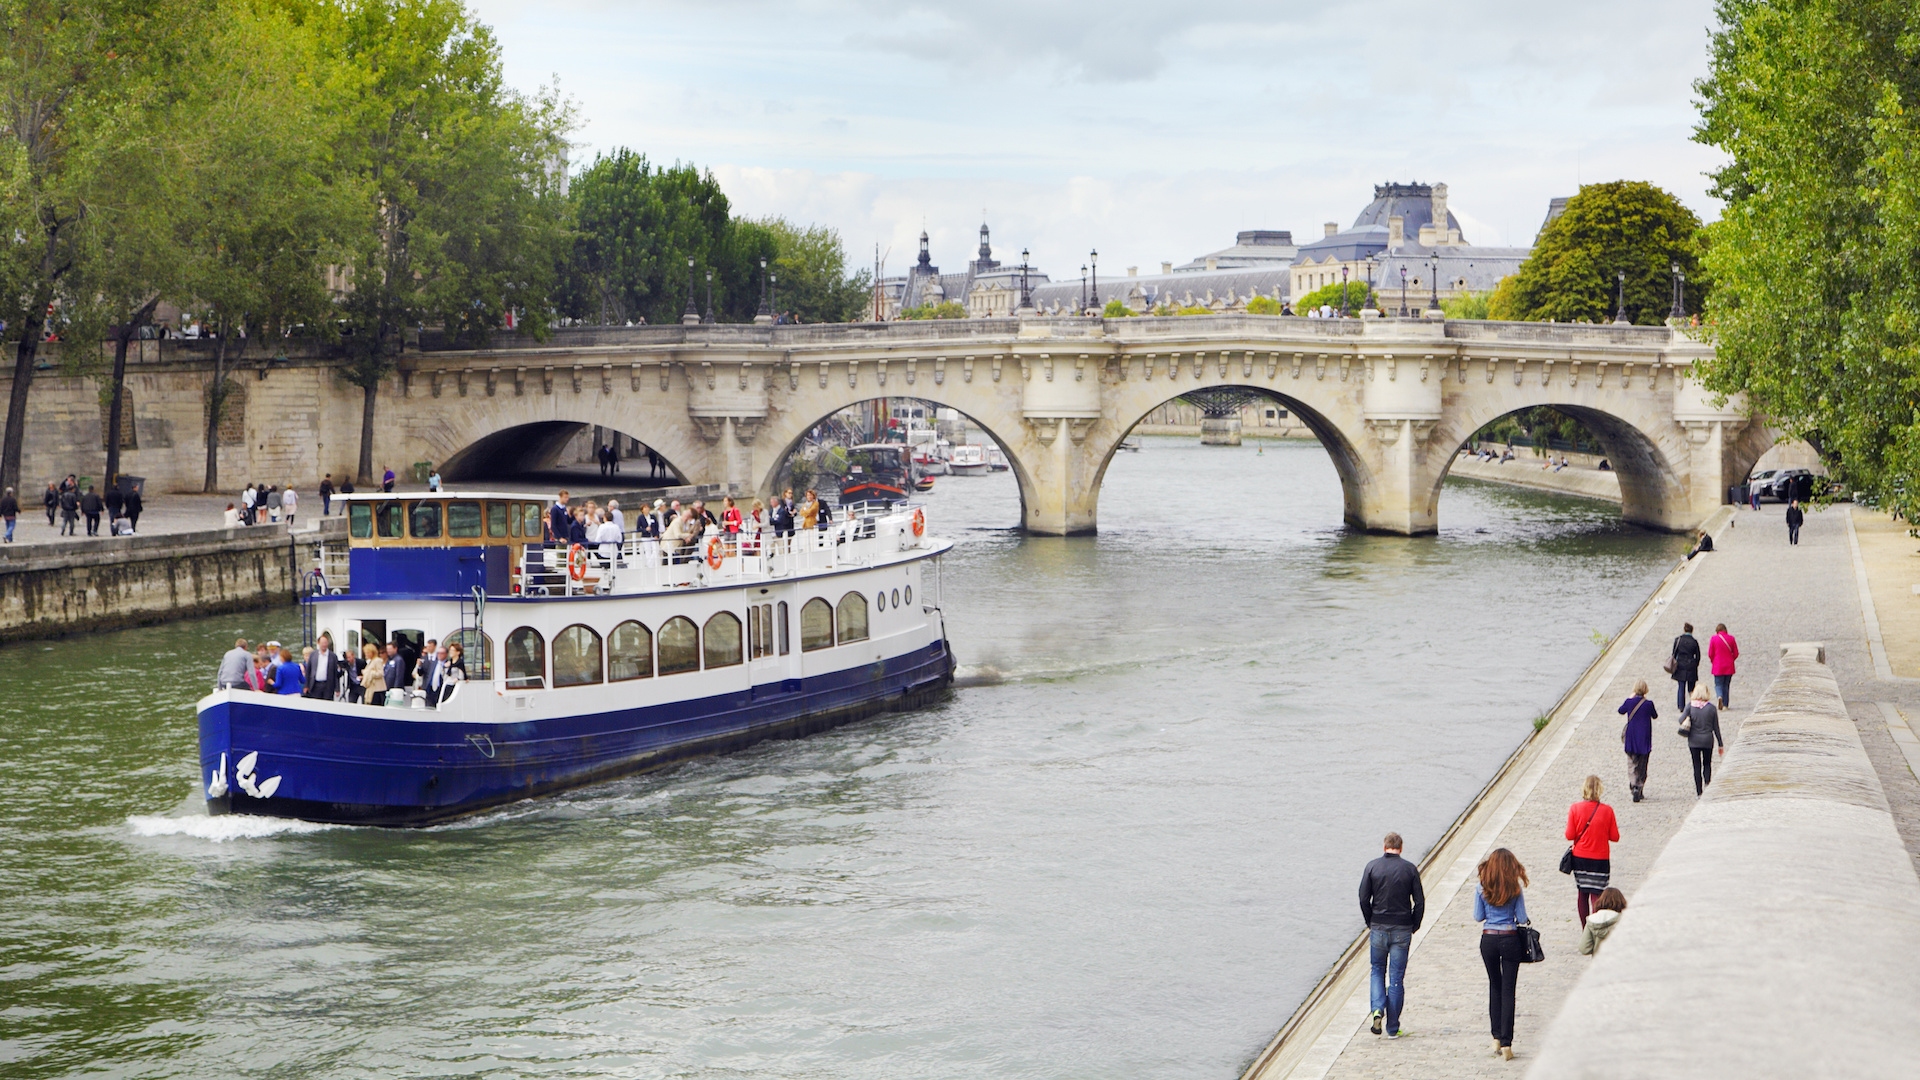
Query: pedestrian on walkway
[[1753, 495], [136, 503], [289, 502], [247, 496], [115, 503], [1684, 664], [1593, 830], [69, 512], [1500, 905], [9, 510], [326, 496], [1393, 905], [1722, 651], [52, 501], [92, 506], [386, 479], [1606, 916], [1702, 729], [1636, 738], [1795, 519]]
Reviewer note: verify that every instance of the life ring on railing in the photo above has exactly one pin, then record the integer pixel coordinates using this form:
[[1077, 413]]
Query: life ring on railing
[[577, 562], [919, 523], [716, 553]]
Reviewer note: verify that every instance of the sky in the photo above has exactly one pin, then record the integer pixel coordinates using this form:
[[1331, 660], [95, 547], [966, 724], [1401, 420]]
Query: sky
[[1150, 131]]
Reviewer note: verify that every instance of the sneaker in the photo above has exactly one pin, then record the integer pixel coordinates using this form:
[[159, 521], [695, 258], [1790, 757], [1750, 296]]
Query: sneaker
[[1393, 1034], [1379, 1016]]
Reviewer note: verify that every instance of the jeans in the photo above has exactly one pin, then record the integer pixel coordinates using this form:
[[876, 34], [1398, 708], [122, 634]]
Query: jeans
[[1793, 534], [9, 530], [1723, 689], [1501, 954], [1685, 688], [326, 505], [1702, 767], [1637, 774], [1388, 945]]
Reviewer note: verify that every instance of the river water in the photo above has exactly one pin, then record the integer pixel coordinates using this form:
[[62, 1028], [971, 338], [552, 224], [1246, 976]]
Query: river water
[[1125, 847]]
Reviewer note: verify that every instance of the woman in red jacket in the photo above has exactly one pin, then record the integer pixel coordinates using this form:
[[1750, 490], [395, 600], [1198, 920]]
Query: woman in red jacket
[[1722, 651], [1592, 828]]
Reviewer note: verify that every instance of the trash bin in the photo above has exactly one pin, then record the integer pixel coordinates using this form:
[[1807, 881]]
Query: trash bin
[[1737, 494]]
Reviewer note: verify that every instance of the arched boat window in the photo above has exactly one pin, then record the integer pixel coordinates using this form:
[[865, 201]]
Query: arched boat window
[[629, 652], [679, 646], [476, 649], [463, 520], [723, 640], [360, 520], [576, 657], [853, 618], [781, 630], [881, 600], [816, 625], [526, 660], [424, 521], [391, 518], [896, 598], [909, 595]]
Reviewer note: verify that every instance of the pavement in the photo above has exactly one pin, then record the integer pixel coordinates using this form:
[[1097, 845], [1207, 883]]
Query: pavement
[[1768, 593]]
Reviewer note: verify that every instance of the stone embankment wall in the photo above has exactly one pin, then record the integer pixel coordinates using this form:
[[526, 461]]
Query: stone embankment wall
[[1525, 471], [1776, 934], [126, 581]]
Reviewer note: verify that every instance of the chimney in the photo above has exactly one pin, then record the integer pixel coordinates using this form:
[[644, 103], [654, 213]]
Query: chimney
[[1396, 231], [1133, 271], [1333, 227], [1213, 263], [1440, 211], [1166, 268]]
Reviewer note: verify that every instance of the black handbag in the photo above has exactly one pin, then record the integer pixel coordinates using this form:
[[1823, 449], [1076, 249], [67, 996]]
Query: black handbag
[[1530, 950]]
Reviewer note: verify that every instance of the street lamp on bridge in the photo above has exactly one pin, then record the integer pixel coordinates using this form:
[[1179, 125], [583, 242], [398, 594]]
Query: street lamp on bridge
[[1620, 297], [1083, 288], [1093, 258], [709, 316], [1433, 271], [765, 314], [1679, 291], [692, 314], [1403, 290], [1026, 288], [1343, 291]]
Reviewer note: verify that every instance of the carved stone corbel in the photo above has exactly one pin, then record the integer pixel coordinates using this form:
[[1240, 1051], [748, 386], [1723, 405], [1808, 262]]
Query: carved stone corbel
[[546, 380], [433, 383], [824, 367], [1320, 369], [460, 379], [406, 384], [793, 375], [1384, 432], [996, 367], [606, 378], [633, 377], [1298, 359], [747, 428], [710, 427], [1600, 375], [1519, 369], [745, 371], [911, 361], [1044, 428], [706, 368], [493, 380], [519, 382], [853, 373], [1246, 365], [966, 369], [1077, 428], [1426, 363], [666, 376], [576, 378], [1344, 361], [1493, 365], [1080, 368], [1420, 430], [1546, 372], [1220, 362], [880, 371], [1573, 374]]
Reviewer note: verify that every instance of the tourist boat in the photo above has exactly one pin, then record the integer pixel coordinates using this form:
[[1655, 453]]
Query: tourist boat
[[880, 472], [930, 459], [582, 663], [996, 460], [969, 460]]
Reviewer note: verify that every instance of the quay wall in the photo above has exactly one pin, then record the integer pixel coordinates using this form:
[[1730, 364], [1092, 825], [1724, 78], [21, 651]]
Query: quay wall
[[1526, 472], [113, 582], [1783, 918]]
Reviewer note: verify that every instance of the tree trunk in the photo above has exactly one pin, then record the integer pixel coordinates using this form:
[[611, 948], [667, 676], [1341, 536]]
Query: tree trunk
[[122, 336], [216, 400], [366, 477], [23, 360]]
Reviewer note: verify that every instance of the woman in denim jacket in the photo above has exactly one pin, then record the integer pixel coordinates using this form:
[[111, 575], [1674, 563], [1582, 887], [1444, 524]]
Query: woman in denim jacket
[[1500, 904]]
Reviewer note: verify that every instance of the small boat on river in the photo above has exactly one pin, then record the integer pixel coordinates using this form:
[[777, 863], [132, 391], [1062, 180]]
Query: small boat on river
[[583, 662], [969, 460]]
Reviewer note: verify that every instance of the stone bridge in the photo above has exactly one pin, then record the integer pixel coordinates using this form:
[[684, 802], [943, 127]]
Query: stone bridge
[[1392, 401]]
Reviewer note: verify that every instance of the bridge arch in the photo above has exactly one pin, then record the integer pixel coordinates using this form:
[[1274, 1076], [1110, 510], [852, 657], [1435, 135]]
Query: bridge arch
[[475, 442]]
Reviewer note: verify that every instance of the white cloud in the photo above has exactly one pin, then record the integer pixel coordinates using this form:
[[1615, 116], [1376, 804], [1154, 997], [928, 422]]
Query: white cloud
[[1151, 131]]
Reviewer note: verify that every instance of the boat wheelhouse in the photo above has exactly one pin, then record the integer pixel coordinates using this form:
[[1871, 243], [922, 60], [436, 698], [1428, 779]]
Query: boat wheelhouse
[[583, 662]]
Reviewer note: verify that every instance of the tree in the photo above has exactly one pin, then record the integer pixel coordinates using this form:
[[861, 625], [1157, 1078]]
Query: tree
[[1264, 305], [1117, 309], [1468, 305], [813, 281], [462, 225], [1815, 313], [946, 309], [1626, 226], [635, 227], [1329, 295]]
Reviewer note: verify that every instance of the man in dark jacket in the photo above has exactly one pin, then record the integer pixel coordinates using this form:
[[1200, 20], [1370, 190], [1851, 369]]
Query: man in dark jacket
[[91, 505], [1795, 518], [69, 512], [135, 504], [1393, 905], [115, 502], [323, 670], [1686, 663]]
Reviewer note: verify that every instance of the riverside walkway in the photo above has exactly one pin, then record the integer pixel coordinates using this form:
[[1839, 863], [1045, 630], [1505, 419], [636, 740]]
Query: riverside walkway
[[1768, 593]]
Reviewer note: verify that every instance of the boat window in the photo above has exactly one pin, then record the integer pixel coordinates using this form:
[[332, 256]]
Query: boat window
[[816, 625], [530, 514], [853, 618], [476, 649], [526, 660], [679, 646], [896, 598], [756, 639], [629, 652], [463, 520], [497, 519], [881, 600], [909, 595], [360, 520], [424, 521], [782, 629], [391, 518], [723, 640], [576, 657]]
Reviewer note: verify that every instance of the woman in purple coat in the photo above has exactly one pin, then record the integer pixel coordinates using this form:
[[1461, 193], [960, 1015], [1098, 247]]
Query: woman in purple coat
[[1637, 737]]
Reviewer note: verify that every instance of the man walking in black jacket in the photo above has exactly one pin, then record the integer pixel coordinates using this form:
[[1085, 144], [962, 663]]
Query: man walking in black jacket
[[1393, 905], [1795, 519]]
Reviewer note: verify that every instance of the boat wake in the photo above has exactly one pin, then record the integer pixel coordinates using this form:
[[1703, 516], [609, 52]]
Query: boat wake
[[220, 829]]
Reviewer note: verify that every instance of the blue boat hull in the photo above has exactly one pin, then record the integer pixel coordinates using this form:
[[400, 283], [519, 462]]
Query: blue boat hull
[[353, 767]]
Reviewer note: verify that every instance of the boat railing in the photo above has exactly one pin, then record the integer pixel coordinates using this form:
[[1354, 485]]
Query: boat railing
[[866, 533]]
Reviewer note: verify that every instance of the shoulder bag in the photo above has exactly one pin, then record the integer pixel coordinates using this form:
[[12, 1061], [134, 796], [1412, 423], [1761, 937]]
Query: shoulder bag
[[1566, 860], [1686, 722], [1673, 657], [1530, 950]]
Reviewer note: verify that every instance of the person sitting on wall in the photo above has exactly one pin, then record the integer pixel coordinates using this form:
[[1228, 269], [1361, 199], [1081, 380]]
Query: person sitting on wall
[[1704, 544]]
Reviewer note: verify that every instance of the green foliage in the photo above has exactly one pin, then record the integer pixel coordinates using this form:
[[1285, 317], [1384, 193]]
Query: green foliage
[[1329, 295], [1500, 303], [636, 226], [833, 461], [1117, 309], [1540, 722], [1264, 305], [1194, 309], [1626, 226], [1537, 425], [813, 281], [1816, 308], [946, 309], [1467, 305]]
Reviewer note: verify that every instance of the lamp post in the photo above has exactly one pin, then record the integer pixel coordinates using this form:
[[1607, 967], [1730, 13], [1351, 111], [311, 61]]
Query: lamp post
[[1093, 257], [1403, 290], [692, 314], [1343, 291], [1620, 296], [1679, 291], [1083, 288], [765, 314], [1026, 289], [709, 315], [773, 296], [1433, 272]]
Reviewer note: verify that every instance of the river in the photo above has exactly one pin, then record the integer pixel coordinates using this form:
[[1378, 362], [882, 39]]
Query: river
[[1125, 847]]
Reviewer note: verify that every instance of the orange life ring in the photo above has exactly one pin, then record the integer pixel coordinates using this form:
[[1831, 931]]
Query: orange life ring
[[577, 562], [919, 523], [716, 554]]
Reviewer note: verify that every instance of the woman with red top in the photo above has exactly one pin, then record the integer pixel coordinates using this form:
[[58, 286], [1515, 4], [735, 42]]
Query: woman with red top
[[730, 519], [1592, 828], [1722, 651]]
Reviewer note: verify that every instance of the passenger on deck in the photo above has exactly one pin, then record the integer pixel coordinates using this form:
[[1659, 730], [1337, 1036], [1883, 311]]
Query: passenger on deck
[[730, 519], [456, 663], [373, 679], [810, 511], [233, 667], [287, 678]]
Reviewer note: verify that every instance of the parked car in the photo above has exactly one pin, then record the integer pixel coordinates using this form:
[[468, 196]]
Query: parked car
[[1787, 484]]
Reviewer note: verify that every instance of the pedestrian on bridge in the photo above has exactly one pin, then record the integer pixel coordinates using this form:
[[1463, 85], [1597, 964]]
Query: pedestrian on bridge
[[1500, 906], [1636, 738], [1393, 905], [1592, 828]]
